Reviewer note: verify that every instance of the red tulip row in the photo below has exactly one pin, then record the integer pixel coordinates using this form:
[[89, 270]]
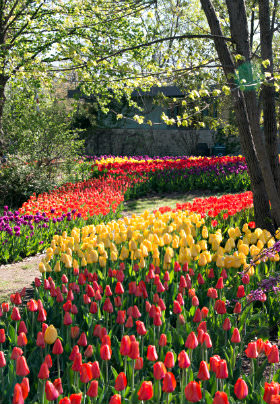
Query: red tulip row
[[87, 296], [87, 198], [152, 165]]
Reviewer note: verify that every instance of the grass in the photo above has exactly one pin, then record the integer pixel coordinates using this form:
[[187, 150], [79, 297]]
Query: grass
[[150, 203]]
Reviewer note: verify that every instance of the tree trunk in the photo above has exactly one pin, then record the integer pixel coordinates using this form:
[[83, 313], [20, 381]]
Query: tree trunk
[[268, 91], [240, 35], [3, 82], [261, 202]]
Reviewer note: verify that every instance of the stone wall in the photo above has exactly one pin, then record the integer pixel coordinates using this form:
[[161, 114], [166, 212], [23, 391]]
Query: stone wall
[[153, 142]]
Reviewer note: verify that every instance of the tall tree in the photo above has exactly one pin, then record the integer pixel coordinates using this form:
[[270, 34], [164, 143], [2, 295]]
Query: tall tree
[[242, 34], [38, 35], [261, 153]]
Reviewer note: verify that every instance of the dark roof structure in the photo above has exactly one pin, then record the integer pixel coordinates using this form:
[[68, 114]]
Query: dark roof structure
[[167, 91]]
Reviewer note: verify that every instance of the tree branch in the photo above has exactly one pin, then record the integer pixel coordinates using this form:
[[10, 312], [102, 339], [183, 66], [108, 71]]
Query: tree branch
[[176, 37]]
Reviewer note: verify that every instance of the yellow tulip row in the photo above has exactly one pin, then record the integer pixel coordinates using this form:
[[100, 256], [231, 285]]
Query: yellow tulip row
[[172, 235]]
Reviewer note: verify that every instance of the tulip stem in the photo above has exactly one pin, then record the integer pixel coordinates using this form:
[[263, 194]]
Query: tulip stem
[[125, 364], [167, 398], [58, 366], [85, 393], [107, 377], [43, 392], [159, 391], [183, 384], [132, 384], [253, 375]]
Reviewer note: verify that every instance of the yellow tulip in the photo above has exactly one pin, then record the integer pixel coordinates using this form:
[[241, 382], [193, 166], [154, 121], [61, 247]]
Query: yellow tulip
[[50, 335], [57, 267], [42, 267]]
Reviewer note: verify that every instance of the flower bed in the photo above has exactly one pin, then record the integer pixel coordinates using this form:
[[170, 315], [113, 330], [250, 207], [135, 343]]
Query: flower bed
[[158, 307], [227, 174], [30, 229]]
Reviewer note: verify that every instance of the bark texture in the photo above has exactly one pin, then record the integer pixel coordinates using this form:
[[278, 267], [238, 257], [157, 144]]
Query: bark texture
[[246, 110]]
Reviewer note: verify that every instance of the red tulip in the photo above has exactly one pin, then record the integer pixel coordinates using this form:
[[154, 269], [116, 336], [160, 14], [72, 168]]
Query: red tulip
[[146, 391], [273, 355], [260, 345], [159, 370], [204, 312], [93, 389], [169, 360], [203, 373], [2, 360], [58, 385], [57, 347], [140, 328], [121, 317], [21, 367], [44, 372], [275, 399], [95, 370], [270, 389], [116, 399], [251, 350], [93, 308], [193, 392], [82, 341], [129, 322], [200, 279], [240, 389], [85, 373], [207, 340], [2, 336], [21, 339], [152, 353], [76, 398], [65, 400], [197, 316], [51, 392], [237, 308], [25, 388], [220, 307], [18, 396], [221, 370], [105, 352], [220, 398], [89, 351], [67, 319], [240, 292], [121, 382], [162, 340], [77, 362], [191, 341], [138, 363], [177, 309], [169, 383], [212, 293], [74, 332], [235, 336], [134, 350], [226, 324], [74, 352], [220, 283], [48, 360], [15, 316], [119, 290], [214, 360], [16, 352], [22, 327], [125, 345], [183, 360]]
